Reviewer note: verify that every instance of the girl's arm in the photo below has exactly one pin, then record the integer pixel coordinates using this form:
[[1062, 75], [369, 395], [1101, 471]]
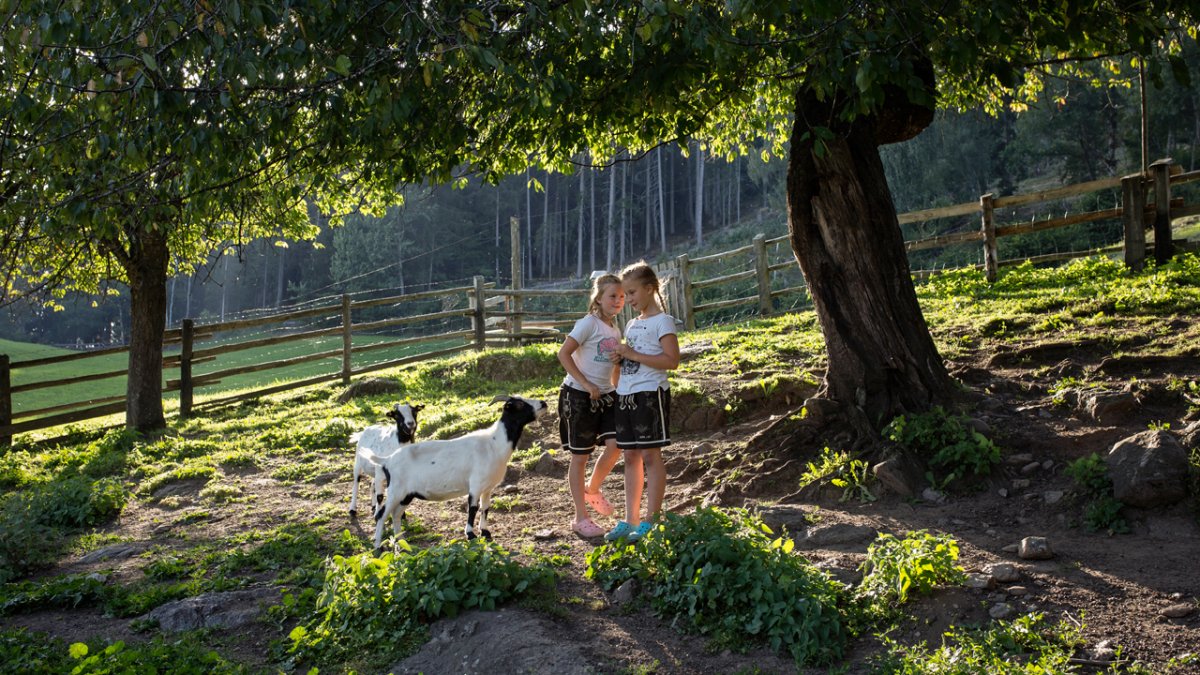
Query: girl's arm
[[564, 357], [668, 360]]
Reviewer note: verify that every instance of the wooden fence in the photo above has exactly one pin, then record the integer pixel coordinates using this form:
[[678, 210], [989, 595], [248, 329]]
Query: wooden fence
[[496, 316]]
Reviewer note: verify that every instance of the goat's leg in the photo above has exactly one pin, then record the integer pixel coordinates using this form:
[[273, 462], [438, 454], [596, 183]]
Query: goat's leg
[[354, 490], [472, 509], [485, 504]]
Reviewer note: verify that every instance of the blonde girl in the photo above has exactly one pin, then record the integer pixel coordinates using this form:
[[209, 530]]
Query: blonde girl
[[644, 399], [587, 402]]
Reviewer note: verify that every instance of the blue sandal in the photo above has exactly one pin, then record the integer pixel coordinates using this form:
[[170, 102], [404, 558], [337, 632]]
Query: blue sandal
[[642, 530], [622, 530]]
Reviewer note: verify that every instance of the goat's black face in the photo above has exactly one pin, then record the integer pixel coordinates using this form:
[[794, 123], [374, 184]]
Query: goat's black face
[[523, 410], [405, 416]]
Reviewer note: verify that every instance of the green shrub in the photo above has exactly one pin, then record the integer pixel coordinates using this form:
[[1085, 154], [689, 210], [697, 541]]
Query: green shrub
[[183, 656], [897, 568], [1025, 645], [32, 654], [953, 450], [1101, 510], [388, 600], [853, 476], [721, 574], [68, 592]]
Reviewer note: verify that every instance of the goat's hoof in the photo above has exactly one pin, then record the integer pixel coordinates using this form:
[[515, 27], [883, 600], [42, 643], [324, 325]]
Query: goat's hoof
[[487, 534], [353, 513], [470, 536]]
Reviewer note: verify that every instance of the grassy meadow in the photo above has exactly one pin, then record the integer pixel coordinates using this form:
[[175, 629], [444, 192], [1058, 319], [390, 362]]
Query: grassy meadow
[[96, 489]]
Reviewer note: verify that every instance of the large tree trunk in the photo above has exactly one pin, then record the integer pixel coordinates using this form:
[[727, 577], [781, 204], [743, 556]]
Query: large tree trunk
[[882, 359], [146, 267]]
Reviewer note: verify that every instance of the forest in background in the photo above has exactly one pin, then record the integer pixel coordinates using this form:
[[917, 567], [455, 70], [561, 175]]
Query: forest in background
[[658, 204]]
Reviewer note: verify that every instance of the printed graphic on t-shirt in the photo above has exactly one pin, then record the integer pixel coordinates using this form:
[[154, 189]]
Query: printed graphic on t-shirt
[[605, 347], [629, 366]]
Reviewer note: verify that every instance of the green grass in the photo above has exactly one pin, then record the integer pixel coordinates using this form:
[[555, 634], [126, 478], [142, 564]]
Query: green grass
[[115, 386]]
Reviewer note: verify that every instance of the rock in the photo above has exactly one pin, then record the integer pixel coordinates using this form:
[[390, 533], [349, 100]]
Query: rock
[[1103, 651], [625, 592], [1035, 548], [848, 577], [1053, 496], [1001, 611], [1020, 483], [1003, 492], [114, 552], [545, 534], [840, 534], [1019, 459], [1017, 590], [978, 425], [1005, 573], [372, 386], [96, 576], [1189, 437], [213, 610], [978, 581], [505, 641], [791, 519], [1109, 408], [1178, 611], [1011, 548], [1030, 468], [894, 475], [932, 496], [696, 421], [1148, 469], [545, 465], [509, 489], [1047, 465]]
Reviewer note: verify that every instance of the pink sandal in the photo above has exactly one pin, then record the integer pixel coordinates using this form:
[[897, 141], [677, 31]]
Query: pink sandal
[[586, 528]]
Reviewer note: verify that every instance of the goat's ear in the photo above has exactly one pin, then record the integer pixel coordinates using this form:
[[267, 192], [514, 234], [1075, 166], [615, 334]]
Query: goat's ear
[[500, 397], [394, 414], [418, 408]]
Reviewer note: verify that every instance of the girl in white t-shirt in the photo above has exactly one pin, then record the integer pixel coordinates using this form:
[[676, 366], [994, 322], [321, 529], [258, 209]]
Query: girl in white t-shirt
[[587, 402], [644, 399]]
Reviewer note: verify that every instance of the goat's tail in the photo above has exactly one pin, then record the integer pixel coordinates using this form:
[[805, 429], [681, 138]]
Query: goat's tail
[[355, 436], [371, 457]]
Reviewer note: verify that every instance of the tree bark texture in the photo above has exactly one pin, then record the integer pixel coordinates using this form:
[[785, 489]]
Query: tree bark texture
[[146, 268], [844, 232]]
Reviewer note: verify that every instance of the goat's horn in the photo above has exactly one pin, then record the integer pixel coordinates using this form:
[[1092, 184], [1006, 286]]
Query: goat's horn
[[499, 397]]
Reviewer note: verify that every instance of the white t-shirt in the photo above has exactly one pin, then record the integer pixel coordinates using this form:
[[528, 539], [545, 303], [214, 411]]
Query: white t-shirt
[[644, 336], [596, 341]]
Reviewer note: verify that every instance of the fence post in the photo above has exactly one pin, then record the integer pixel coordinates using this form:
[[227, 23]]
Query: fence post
[[1133, 217], [514, 324], [479, 318], [5, 398], [685, 283], [185, 368], [765, 306], [991, 256], [347, 340], [1164, 248]]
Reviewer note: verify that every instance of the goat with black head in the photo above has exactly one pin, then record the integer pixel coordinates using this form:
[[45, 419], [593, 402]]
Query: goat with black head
[[383, 440], [471, 465]]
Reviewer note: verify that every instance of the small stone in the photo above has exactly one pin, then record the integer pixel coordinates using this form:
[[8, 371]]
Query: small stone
[[1011, 548], [1030, 468], [625, 592], [1019, 459], [547, 533], [1005, 573], [1017, 590], [96, 576], [509, 489], [978, 425], [1047, 465], [1003, 492], [545, 464], [932, 496], [991, 533], [1178, 611], [1035, 548], [1029, 496], [1053, 496], [1001, 611], [980, 581], [1020, 483], [1103, 651], [1176, 596]]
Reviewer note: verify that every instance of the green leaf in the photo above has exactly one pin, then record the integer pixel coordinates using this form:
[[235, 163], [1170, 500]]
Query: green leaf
[[342, 65], [148, 60], [78, 650]]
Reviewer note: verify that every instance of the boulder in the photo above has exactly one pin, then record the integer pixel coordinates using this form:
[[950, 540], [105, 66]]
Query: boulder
[[213, 610], [1108, 407], [505, 641], [1035, 548], [1148, 469], [841, 534], [898, 477]]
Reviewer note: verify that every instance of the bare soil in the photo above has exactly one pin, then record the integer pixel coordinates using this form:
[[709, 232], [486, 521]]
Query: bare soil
[[1116, 586]]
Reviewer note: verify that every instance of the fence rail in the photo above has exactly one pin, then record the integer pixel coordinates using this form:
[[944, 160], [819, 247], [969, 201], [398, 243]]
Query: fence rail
[[499, 316]]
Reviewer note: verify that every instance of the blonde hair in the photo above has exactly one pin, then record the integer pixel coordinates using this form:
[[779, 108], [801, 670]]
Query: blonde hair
[[598, 285], [643, 273]]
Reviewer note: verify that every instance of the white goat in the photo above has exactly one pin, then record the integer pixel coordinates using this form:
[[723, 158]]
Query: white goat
[[471, 465], [382, 439]]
